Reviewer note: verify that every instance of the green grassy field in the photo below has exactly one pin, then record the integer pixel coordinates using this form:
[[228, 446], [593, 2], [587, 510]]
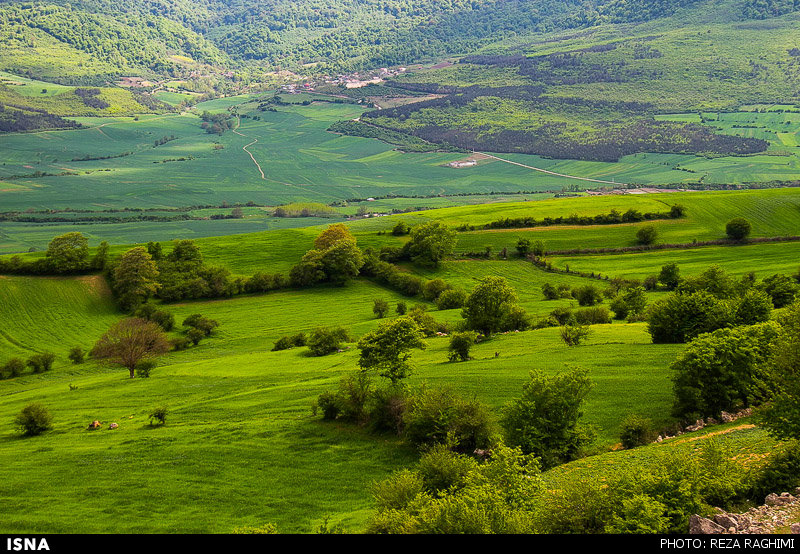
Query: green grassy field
[[240, 433], [303, 162]]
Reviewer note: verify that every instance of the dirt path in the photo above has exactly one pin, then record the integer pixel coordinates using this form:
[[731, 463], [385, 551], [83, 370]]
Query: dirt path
[[238, 121], [552, 172]]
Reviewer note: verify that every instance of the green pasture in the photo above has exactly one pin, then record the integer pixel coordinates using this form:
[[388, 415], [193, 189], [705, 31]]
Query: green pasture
[[52, 314], [240, 433], [764, 260]]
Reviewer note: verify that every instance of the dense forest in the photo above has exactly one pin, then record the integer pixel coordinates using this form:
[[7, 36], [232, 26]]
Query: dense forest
[[346, 34]]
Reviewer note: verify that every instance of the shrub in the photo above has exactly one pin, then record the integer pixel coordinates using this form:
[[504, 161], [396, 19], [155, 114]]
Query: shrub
[[441, 469], [738, 229], [355, 390], [460, 345], [563, 315], [266, 529], [682, 317], [426, 322], [647, 234], [753, 307], [441, 416], [637, 431], [408, 285], [587, 295], [41, 362], [782, 289], [329, 404], [594, 315], [451, 298], [283, 343], [397, 492], [144, 368], [434, 288], [14, 367], [670, 276], [161, 317], [195, 335], [550, 292], [203, 324], [76, 355], [380, 307], [401, 308], [324, 341], [516, 319], [573, 335], [650, 282], [34, 419], [639, 514], [545, 420], [181, 343], [630, 302], [158, 416], [386, 407], [780, 473], [724, 370]]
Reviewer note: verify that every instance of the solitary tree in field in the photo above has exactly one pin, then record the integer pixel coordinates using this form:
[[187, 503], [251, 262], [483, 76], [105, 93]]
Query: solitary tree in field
[[738, 228], [130, 341], [68, 253], [388, 348], [647, 234]]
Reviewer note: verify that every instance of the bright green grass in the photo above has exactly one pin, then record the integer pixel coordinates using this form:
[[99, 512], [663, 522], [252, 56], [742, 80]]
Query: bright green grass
[[764, 259], [240, 434], [31, 87], [52, 314]]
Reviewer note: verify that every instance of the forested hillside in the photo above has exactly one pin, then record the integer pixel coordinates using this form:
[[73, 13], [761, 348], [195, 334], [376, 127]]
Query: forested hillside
[[97, 39]]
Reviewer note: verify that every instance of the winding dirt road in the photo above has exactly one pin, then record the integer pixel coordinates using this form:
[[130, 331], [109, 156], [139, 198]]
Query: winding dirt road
[[238, 121]]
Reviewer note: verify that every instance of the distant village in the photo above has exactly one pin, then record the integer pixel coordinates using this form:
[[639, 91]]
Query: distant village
[[352, 80]]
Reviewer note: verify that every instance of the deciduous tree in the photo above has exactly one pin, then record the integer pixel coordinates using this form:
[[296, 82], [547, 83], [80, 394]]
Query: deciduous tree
[[130, 341]]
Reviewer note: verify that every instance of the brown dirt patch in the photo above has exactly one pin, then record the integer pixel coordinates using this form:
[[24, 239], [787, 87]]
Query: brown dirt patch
[[715, 433]]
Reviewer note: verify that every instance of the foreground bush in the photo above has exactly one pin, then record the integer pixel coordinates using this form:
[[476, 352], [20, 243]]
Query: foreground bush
[[441, 416], [637, 431], [452, 494], [545, 421], [658, 497], [724, 371]]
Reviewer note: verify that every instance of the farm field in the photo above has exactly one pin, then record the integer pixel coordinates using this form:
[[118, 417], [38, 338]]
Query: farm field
[[763, 259], [124, 166]]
